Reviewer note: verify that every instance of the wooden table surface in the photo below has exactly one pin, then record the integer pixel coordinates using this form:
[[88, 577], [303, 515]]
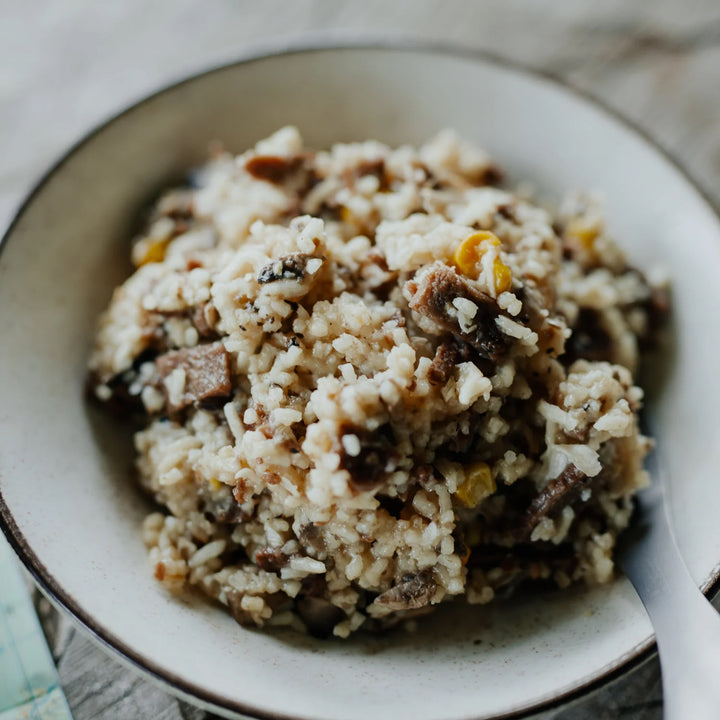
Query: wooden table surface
[[65, 66]]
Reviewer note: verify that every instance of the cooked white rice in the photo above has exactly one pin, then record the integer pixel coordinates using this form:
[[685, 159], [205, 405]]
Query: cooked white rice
[[355, 406]]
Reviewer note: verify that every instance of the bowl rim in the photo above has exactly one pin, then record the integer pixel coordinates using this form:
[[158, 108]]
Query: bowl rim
[[167, 679]]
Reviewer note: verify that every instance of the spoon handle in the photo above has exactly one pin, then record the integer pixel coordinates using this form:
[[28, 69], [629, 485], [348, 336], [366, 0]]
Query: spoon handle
[[687, 627]]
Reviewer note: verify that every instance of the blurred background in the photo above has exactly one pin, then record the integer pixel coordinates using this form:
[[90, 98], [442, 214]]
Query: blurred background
[[65, 66]]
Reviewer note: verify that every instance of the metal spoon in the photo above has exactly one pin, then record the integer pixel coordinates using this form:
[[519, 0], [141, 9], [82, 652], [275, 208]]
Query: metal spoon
[[687, 627]]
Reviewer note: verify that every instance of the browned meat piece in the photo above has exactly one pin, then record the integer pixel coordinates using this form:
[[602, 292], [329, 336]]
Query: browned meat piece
[[207, 374], [444, 362], [313, 586], [449, 353], [414, 593], [432, 297], [311, 537], [377, 456], [271, 559], [273, 168], [288, 267], [579, 435], [553, 498], [203, 317], [367, 167]]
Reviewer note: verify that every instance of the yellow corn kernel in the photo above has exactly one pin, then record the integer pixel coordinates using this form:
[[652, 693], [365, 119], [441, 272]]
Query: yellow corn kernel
[[584, 231], [215, 484], [477, 485], [502, 276], [469, 254], [470, 251], [151, 250], [346, 214]]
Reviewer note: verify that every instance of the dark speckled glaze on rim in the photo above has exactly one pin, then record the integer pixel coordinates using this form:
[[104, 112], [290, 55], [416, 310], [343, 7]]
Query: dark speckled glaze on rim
[[178, 686]]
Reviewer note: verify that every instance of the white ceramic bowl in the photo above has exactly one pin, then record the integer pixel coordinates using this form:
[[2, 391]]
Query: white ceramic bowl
[[69, 505]]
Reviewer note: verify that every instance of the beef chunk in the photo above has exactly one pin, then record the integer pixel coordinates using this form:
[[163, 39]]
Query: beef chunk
[[443, 363], [416, 592], [432, 297], [367, 167], [553, 498], [313, 586], [377, 456], [271, 559], [207, 375], [449, 353], [203, 317], [273, 168]]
